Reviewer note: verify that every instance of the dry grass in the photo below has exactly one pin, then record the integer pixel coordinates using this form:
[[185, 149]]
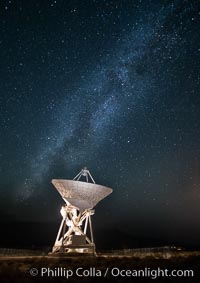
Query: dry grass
[[16, 269]]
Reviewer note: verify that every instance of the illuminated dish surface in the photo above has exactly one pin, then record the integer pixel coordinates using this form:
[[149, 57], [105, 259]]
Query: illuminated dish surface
[[82, 195]]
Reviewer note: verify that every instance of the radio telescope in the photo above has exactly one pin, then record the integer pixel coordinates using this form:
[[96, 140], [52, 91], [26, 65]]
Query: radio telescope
[[75, 233]]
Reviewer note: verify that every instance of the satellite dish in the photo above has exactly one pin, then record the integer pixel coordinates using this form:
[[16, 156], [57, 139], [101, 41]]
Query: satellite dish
[[80, 198], [82, 195]]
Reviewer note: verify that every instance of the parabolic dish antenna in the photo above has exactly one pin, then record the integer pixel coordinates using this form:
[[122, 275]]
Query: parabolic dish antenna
[[82, 195], [75, 233]]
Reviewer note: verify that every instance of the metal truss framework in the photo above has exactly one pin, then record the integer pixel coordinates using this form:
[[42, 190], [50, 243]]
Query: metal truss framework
[[75, 233]]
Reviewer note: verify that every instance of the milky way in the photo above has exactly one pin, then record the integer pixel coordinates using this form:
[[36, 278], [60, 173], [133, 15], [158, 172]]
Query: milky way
[[113, 85], [95, 110]]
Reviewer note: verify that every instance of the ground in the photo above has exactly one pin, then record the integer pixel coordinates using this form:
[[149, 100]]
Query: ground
[[102, 268]]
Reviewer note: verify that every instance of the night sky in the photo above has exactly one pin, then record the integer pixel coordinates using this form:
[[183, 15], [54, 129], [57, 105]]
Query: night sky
[[111, 85]]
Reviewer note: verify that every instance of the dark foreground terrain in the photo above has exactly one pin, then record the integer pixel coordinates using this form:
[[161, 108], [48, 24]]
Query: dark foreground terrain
[[102, 268]]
